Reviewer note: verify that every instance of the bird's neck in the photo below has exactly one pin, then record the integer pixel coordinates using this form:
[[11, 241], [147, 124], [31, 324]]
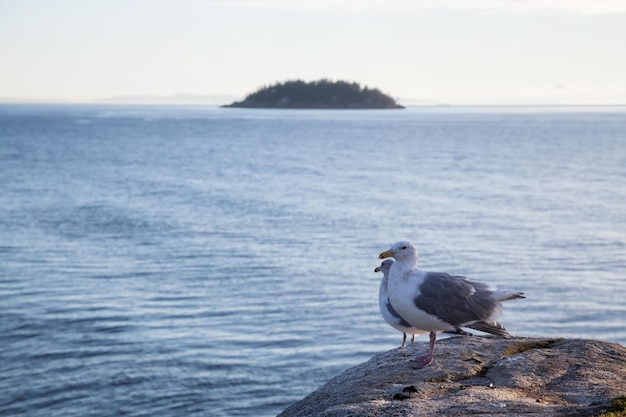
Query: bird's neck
[[383, 287], [404, 267], [409, 264]]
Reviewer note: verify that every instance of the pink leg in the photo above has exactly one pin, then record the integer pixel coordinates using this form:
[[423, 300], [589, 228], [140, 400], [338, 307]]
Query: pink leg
[[403, 339], [423, 361]]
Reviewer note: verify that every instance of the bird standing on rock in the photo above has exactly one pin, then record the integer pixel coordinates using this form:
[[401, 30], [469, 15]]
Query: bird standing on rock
[[394, 319], [390, 315], [439, 302]]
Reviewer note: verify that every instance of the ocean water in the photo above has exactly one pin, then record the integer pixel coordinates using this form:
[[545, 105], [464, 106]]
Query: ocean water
[[198, 261]]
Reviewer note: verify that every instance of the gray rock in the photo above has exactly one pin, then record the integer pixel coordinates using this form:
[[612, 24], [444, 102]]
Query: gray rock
[[477, 376]]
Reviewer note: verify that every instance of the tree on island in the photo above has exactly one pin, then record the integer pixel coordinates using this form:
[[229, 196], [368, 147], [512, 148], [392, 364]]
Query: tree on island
[[322, 94]]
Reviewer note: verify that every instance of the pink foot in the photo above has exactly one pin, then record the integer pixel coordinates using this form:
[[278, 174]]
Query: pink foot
[[423, 361]]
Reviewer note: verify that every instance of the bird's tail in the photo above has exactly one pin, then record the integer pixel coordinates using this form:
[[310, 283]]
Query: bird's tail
[[505, 295], [492, 327]]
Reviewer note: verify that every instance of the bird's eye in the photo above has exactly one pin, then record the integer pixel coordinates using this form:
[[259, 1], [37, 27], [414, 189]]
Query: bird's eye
[[403, 247]]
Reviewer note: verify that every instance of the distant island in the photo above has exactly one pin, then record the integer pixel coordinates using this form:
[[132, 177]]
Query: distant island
[[322, 94]]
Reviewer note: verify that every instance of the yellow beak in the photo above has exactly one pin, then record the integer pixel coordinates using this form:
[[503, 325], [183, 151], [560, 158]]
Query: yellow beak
[[386, 254]]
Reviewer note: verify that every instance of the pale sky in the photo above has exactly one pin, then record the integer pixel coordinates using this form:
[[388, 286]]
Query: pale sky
[[418, 51]]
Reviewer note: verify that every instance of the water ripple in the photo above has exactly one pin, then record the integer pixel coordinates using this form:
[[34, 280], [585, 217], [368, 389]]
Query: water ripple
[[192, 262]]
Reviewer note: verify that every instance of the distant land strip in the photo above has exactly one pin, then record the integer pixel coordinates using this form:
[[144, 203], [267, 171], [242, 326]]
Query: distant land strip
[[322, 94]]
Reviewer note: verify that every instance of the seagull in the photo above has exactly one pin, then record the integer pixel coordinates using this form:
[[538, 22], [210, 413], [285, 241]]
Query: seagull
[[440, 302], [386, 310], [394, 319]]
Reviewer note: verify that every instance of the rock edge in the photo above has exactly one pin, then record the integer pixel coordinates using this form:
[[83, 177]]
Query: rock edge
[[477, 376]]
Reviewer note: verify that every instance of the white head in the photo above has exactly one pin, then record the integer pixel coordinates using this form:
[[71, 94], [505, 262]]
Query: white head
[[401, 251], [385, 266]]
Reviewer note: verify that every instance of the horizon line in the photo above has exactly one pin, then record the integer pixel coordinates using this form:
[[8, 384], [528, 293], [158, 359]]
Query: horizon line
[[52, 102]]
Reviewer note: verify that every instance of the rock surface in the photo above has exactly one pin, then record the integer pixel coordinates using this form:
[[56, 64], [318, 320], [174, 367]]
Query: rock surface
[[478, 376]]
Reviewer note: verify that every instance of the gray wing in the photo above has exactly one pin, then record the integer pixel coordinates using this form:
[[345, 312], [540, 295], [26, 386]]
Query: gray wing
[[479, 286], [455, 300]]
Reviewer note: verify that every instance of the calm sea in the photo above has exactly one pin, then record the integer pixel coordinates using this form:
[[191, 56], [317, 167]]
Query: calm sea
[[198, 261]]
